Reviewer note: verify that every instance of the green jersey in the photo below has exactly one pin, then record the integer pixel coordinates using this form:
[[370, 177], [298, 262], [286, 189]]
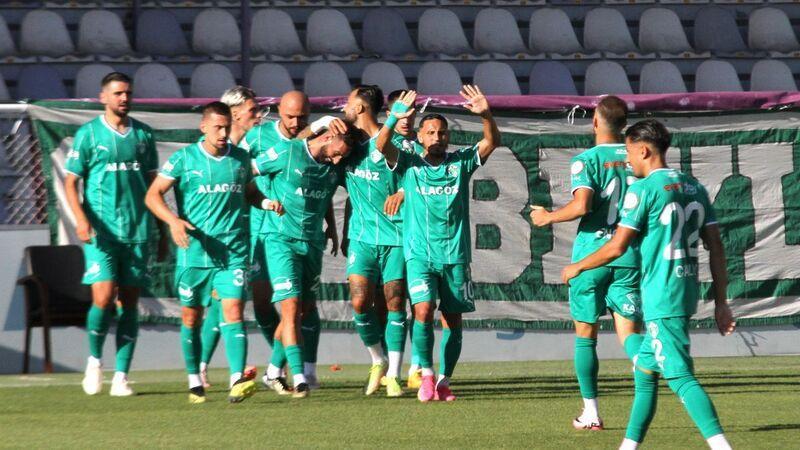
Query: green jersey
[[603, 170], [408, 145], [210, 194], [114, 169], [302, 185], [257, 141], [369, 181], [668, 208], [436, 209]]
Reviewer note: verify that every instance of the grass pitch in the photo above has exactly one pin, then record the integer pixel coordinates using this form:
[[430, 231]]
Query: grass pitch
[[511, 405]]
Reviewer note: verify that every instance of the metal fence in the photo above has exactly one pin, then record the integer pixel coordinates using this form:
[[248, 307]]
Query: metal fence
[[23, 193]]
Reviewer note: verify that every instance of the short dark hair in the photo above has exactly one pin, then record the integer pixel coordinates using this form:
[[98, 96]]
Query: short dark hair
[[372, 95], [115, 76], [433, 116], [216, 107], [392, 97], [614, 112], [652, 132]]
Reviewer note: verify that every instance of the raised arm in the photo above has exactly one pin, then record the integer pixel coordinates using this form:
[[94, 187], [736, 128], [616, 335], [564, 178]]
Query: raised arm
[[612, 250], [579, 206], [477, 104], [719, 274], [401, 109], [156, 204]]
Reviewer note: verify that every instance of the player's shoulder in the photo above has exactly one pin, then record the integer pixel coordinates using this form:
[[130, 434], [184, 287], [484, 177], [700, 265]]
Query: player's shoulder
[[138, 125], [239, 153], [90, 126]]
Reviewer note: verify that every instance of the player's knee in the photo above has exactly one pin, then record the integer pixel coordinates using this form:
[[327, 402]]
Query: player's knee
[[451, 321], [683, 384], [190, 317], [586, 330], [395, 296], [423, 312]]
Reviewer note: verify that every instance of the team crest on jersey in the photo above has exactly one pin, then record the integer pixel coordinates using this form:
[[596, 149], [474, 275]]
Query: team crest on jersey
[[453, 170], [376, 156], [140, 148], [576, 167], [631, 200]]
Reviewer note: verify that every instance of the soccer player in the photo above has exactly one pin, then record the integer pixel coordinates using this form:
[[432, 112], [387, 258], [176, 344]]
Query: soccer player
[[245, 114], [599, 183], [304, 175], [663, 216], [211, 180], [115, 156], [293, 111], [374, 245], [436, 230]]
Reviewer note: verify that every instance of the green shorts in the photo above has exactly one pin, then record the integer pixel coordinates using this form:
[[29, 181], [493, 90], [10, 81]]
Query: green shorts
[[107, 260], [377, 263], [666, 348], [449, 282], [258, 258], [605, 288], [295, 267], [196, 284]]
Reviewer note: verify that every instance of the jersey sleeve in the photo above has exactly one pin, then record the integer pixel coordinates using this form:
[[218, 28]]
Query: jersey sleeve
[[80, 155], [249, 141], [273, 160], [581, 174], [705, 200], [470, 159], [173, 168], [634, 208]]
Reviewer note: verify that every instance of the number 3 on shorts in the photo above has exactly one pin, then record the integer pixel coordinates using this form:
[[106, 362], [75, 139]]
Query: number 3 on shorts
[[238, 277]]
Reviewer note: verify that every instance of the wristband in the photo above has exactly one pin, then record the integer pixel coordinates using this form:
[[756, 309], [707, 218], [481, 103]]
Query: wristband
[[321, 123], [397, 108]]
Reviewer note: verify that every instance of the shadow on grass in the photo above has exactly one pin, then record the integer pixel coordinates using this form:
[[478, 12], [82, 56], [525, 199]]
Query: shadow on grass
[[777, 427]]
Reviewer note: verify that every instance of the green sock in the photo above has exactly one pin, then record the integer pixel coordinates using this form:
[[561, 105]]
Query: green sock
[[278, 358], [414, 354], [190, 343], [632, 345], [697, 404], [423, 343], [450, 350], [294, 353], [267, 323], [209, 334], [367, 327], [310, 328], [97, 322], [586, 366], [396, 331], [645, 400], [127, 332], [235, 345]]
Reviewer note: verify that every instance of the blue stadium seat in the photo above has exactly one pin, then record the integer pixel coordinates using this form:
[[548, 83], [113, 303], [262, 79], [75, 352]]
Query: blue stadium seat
[[770, 29], [87, 81], [158, 33], [7, 46], [215, 33], [605, 30], [551, 78], [44, 33], [39, 82], [660, 31], [326, 79], [496, 78], [438, 77], [440, 31], [772, 75], [156, 81], [715, 30], [385, 33], [270, 80], [496, 31], [5, 96], [210, 80], [101, 33], [551, 32], [606, 77], [274, 33], [716, 76], [386, 75], [661, 77], [328, 32]]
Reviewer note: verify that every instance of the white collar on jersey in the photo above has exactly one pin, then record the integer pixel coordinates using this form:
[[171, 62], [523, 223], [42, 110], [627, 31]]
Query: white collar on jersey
[[113, 130]]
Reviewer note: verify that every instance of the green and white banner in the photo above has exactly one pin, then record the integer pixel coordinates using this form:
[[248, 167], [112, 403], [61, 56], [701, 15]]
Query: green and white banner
[[749, 161]]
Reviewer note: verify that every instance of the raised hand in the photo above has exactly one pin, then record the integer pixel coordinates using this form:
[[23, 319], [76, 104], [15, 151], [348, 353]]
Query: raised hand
[[476, 102], [407, 100]]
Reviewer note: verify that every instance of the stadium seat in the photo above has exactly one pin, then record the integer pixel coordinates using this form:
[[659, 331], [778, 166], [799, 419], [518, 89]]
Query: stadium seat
[[210, 80], [5, 96], [326, 79], [437, 77], [7, 46], [39, 82], [216, 33], [386, 75], [87, 81], [551, 78], [496, 78], [716, 76], [101, 33], [551, 32], [44, 33], [328, 32], [440, 31], [274, 33], [156, 81], [769, 29], [158, 33], [606, 77], [385, 33], [715, 30], [271, 80], [661, 77], [772, 75], [496, 31], [660, 30], [605, 30]]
